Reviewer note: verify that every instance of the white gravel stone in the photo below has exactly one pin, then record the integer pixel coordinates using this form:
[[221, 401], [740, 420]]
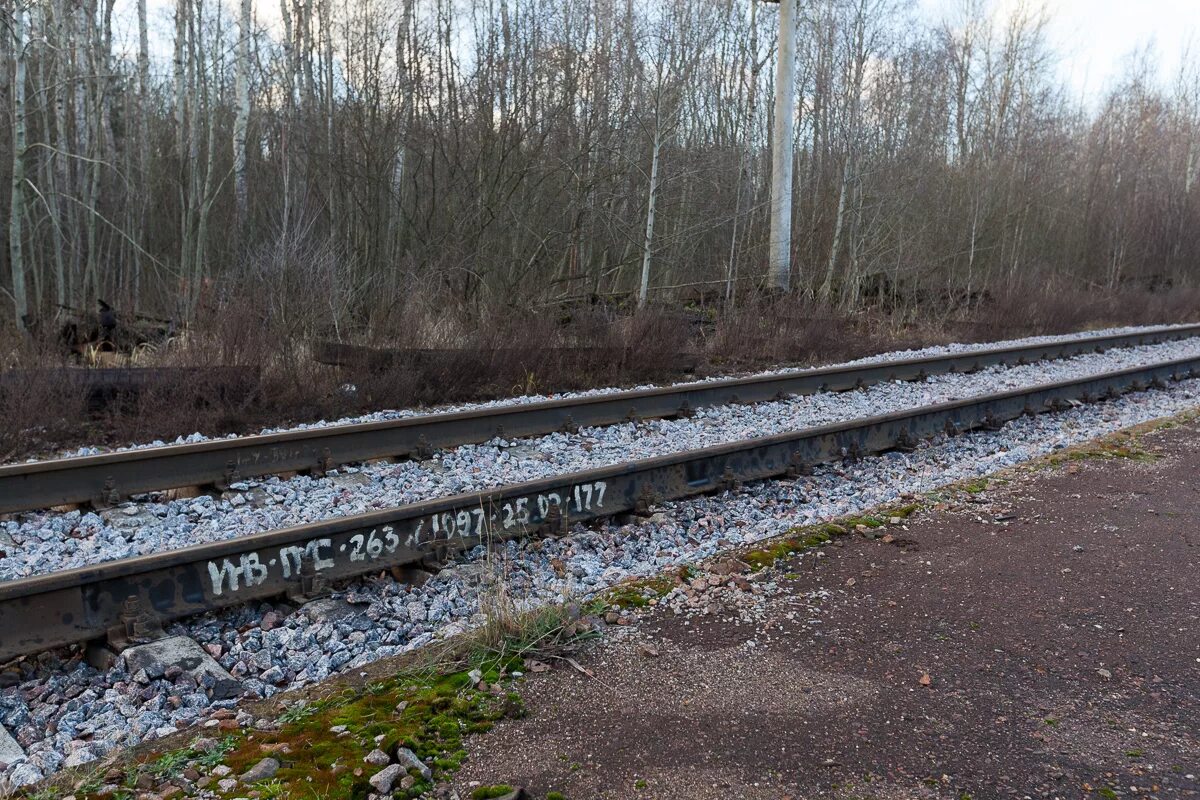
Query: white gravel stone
[[10, 751]]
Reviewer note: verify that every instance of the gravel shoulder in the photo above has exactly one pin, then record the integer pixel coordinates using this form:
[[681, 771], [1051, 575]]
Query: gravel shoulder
[[1035, 636]]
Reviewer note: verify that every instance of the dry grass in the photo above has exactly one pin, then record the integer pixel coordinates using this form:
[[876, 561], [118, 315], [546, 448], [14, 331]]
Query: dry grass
[[267, 318]]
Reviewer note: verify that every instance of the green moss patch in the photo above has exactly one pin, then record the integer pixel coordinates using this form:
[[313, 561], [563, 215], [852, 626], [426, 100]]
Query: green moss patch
[[800, 539], [427, 712], [439, 712], [639, 593], [1105, 451], [432, 701], [977, 486], [1123, 445], [796, 541]]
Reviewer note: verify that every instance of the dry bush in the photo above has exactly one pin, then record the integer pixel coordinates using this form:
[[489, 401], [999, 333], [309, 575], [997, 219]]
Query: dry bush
[[787, 330], [1059, 307], [39, 408], [263, 321], [507, 351], [244, 362]]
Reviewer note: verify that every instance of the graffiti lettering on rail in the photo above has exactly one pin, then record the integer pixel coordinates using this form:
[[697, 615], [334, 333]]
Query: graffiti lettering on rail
[[252, 569], [466, 523]]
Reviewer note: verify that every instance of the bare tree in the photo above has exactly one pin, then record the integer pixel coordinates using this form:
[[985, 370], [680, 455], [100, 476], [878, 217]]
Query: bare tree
[[465, 154], [16, 255], [245, 34]]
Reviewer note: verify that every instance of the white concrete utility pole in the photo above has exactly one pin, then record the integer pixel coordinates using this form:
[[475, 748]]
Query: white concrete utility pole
[[781, 149]]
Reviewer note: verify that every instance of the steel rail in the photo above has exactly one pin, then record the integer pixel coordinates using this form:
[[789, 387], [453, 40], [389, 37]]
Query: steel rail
[[123, 597], [106, 479]]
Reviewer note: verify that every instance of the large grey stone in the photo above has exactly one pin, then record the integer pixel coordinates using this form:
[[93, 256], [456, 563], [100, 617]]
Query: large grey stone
[[328, 609], [24, 774], [262, 771], [386, 778], [408, 759], [156, 657], [10, 751], [378, 758]]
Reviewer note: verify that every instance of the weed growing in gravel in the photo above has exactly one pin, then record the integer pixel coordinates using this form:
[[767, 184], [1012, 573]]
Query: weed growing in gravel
[[488, 792], [166, 767], [273, 789], [297, 712], [215, 755], [977, 486], [169, 765], [45, 794]]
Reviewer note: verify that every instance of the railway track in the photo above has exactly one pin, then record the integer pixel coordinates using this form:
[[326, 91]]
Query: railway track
[[106, 479], [128, 599]]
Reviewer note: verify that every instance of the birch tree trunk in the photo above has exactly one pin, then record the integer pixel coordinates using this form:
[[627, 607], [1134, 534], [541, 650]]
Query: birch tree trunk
[[17, 212], [143, 106], [835, 247], [46, 166], [243, 113], [405, 56], [644, 286], [749, 58], [181, 27], [859, 57]]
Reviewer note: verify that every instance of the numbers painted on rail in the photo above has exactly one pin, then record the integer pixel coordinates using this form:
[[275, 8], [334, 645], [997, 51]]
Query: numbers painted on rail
[[230, 575], [372, 545], [465, 524]]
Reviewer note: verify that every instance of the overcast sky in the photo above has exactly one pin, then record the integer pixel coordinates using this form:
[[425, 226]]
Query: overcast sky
[[1095, 37]]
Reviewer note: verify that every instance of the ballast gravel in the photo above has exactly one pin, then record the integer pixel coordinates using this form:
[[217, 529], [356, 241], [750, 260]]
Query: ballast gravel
[[44, 541], [65, 713]]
